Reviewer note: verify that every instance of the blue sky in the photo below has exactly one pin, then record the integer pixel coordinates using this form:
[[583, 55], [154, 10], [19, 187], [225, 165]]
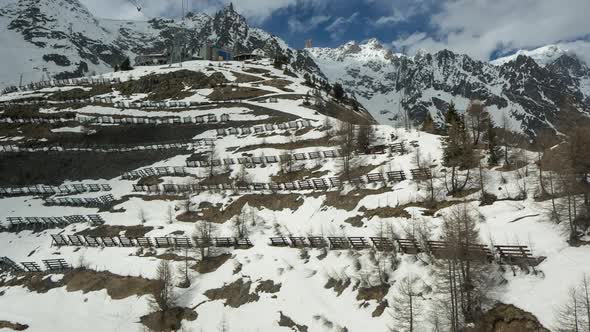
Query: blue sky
[[484, 29], [339, 22]]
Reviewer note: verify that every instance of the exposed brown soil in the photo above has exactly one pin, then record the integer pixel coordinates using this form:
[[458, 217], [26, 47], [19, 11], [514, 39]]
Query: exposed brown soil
[[376, 293], [13, 326], [277, 83], [189, 216], [146, 198], [268, 286], [133, 134], [170, 85], [356, 221], [289, 96], [385, 212], [507, 318], [174, 257], [245, 78], [380, 309], [232, 93], [433, 207], [217, 179], [349, 201], [23, 168], [32, 110], [338, 285], [324, 141], [298, 175], [29, 131], [149, 198], [112, 231], [106, 136], [275, 202], [150, 180], [465, 193], [210, 264], [117, 287], [256, 71], [33, 282], [256, 110], [360, 171], [286, 321], [167, 321], [234, 294], [343, 113], [80, 93], [303, 131]]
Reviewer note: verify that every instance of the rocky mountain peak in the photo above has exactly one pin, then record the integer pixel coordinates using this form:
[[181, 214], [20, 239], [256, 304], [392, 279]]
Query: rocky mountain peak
[[229, 26], [64, 37], [228, 13], [571, 64], [373, 43], [531, 93], [542, 55], [350, 48]]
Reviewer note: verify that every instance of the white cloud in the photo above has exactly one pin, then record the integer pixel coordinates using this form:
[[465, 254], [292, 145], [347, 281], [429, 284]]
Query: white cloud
[[476, 27], [480, 27], [388, 20], [396, 11], [580, 47], [302, 26], [340, 25]]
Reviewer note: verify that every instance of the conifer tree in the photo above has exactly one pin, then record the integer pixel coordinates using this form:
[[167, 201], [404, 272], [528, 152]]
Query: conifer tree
[[493, 148], [428, 125], [126, 65], [338, 91], [458, 154], [452, 115]]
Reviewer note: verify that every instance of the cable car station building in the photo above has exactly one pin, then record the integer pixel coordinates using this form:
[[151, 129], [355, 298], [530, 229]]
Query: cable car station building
[[215, 53]]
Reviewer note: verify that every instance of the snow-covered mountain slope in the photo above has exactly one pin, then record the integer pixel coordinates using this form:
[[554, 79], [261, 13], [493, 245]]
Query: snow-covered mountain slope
[[532, 95], [64, 37], [543, 55], [260, 288], [545, 88], [37, 34]]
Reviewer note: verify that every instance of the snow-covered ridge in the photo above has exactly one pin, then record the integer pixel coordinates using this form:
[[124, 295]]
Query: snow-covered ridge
[[370, 50], [302, 276], [543, 55], [390, 85], [63, 37]]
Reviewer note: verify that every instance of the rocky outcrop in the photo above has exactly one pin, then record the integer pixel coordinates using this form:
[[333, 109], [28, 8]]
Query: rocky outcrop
[[66, 39], [553, 94], [507, 318], [235, 294]]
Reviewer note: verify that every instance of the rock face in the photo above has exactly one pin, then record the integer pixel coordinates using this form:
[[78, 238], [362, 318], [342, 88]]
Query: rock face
[[508, 318], [66, 39], [547, 88], [554, 93]]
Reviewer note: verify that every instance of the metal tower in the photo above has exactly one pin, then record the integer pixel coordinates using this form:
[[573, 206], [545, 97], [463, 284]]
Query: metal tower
[[179, 43]]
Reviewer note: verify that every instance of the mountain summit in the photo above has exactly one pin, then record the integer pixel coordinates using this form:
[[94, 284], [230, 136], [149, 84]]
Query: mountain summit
[[68, 41], [61, 38], [532, 89]]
